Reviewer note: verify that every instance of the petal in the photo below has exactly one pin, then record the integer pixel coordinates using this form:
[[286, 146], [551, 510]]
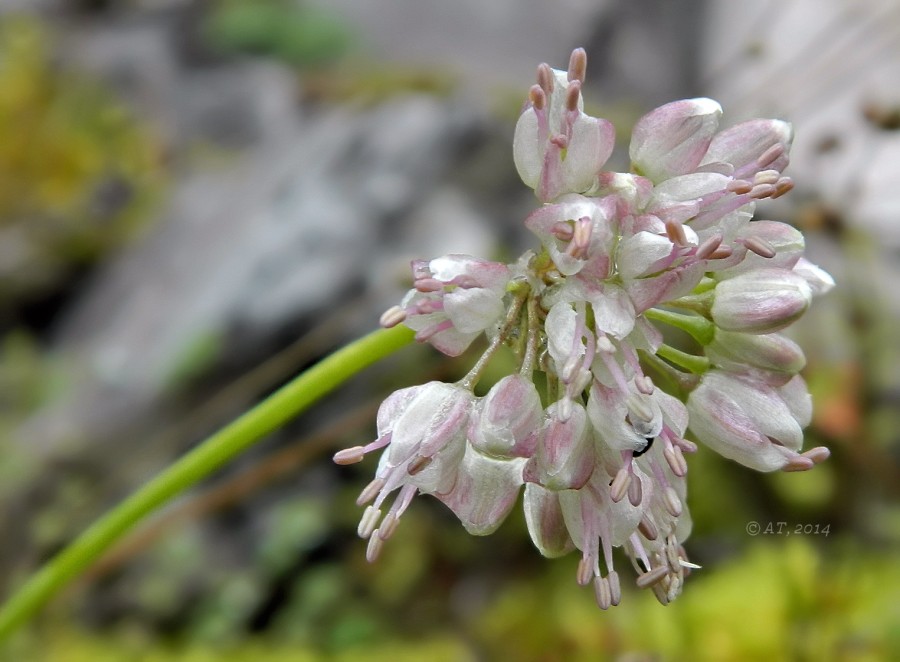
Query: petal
[[742, 144], [673, 139], [544, 518]]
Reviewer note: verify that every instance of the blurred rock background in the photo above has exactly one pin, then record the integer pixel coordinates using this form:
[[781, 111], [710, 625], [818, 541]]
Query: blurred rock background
[[198, 198]]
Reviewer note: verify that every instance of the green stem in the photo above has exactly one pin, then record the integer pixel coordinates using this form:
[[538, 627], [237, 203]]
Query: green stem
[[696, 364], [702, 330], [214, 452]]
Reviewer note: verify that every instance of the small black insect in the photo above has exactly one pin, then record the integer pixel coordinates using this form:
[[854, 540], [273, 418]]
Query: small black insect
[[645, 448]]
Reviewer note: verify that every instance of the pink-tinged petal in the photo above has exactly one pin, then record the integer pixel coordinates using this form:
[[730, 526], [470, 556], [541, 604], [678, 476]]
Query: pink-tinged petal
[[590, 146], [485, 492], [718, 421], [509, 418], [744, 144], [819, 280], [564, 334], [614, 312], [642, 253], [546, 525], [771, 352], [798, 400], [686, 188], [673, 139], [760, 301], [672, 284], [438, 414], [473, 310], [528, 149], [608, 411], [675, 414], [785, 241], [564, 458]]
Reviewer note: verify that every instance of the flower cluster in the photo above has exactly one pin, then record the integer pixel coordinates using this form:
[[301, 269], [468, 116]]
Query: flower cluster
[[594, 424]]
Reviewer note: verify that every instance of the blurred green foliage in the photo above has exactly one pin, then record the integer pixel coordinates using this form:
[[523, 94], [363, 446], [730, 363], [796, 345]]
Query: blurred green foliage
[[298, 34], [77, 173]]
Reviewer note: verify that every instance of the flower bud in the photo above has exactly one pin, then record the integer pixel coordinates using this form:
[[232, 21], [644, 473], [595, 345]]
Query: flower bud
[[510, 415], [760, 301], [672, 139], [746, 420], [564, 459], [771, 352]]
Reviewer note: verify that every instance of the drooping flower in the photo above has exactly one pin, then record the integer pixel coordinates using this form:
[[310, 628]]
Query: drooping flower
[[601, 448]]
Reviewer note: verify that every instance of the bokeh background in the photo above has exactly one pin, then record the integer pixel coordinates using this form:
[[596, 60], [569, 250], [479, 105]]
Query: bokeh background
[[198, 198]]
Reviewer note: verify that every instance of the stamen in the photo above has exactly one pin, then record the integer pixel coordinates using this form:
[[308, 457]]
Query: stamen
[[761, 191], [392, 317], [545, 78], [388, 526], [676, 461], [784, 185], [573, 94], [759, 246], [577, 65], [585, 571], [644, 384], [648, 529], [537, 97], [562, 230], [427, 333], [818, 454], [349, 455], [766, 177], [376, 542], [799, 463], [709, 246], [581, 237], [368, 521], [370, 491], [739, 186], [418, 464], [602, 593], [652, 577], [672, 554], [675, 233], [721, 252], [428, 284], [635, 492], [615, 588], [638, 409], [671, 501], [769, 157], [620, 485]]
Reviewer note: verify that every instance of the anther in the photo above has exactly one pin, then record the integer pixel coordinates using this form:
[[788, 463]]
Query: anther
[[562, 230], [709, 246], [620, 485], [605, 345], [350, 455], [672, 554], [799, 463], [648, 529], [676, 461], [388, 526], [652, 577], [585, 572], [577, 65], [370, 491], [537, 97], [769, 157], [392, 317], [739, 186], [671, 501], [428, 284], [759, 246], [635, 492], [675, 233], [615, 588], [581, 237], [721, 253], [545, 78], [818, 454], [368, 521], [784, 185], [376, 542], [418, 464], [573, 95], [644, 384], [761, 191], [602, 593], [766, 177], [639, 409]]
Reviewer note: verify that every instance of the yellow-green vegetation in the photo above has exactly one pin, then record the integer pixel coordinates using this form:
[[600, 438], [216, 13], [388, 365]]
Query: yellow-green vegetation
[[778, 600], [77, 172]]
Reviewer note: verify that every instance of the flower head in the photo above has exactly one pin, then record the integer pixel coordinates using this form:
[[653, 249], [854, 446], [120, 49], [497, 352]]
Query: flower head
[[602, 451]]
